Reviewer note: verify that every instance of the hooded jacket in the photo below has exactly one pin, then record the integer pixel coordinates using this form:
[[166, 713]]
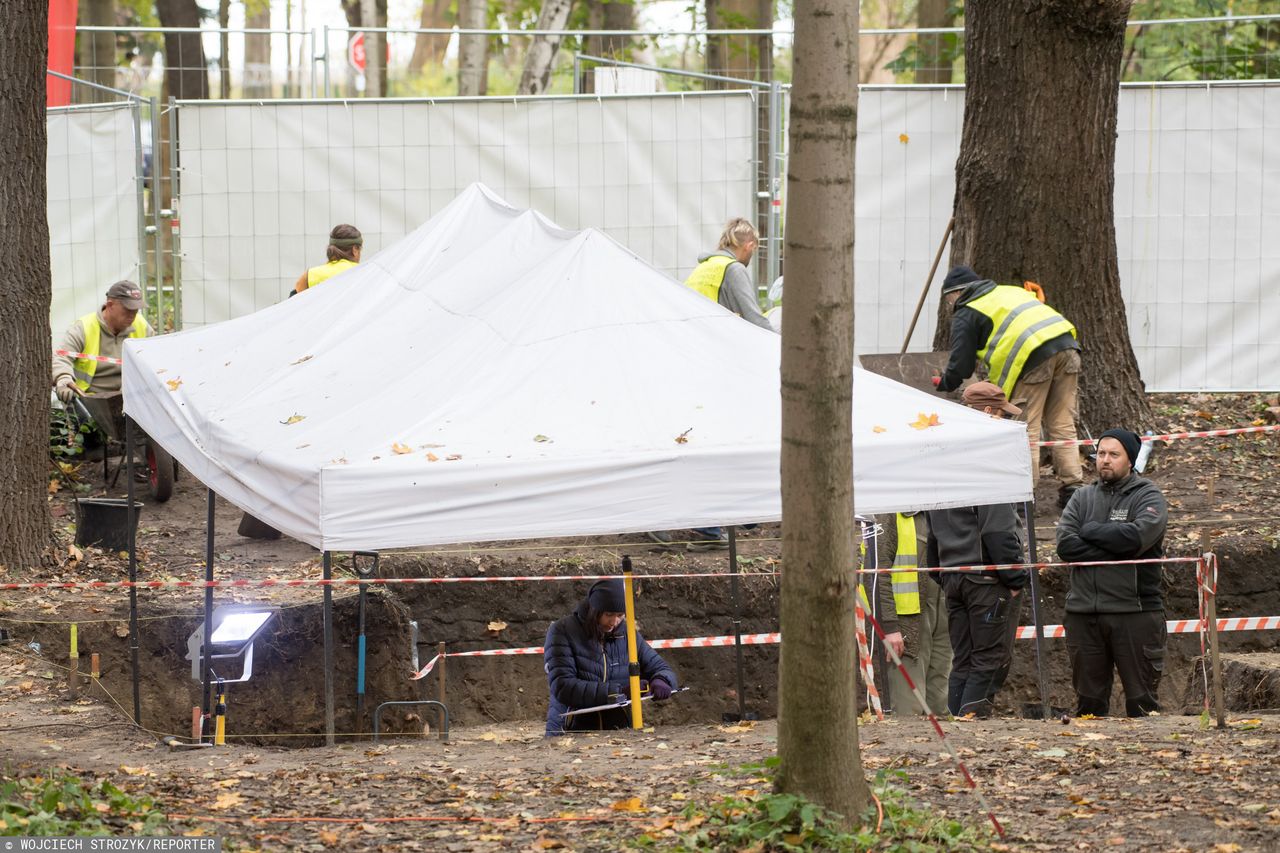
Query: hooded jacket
[[1114, 521], [583, 672], [737, 293], [970, 330]]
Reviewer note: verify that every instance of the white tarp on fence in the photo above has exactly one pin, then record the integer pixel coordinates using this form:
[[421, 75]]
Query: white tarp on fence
[[262, 183], [1197, 218], [93, 211], [491, 376]]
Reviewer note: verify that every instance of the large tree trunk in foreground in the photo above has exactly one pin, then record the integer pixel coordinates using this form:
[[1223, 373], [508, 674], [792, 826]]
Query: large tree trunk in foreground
[[25, 288], [817, 709], [184, 61], [1035, 181]]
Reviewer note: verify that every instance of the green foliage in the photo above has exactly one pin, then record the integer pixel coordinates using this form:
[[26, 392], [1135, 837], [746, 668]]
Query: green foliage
[[66, 436], [1202, 51], [60, 804], [941, 50], [786, 822]]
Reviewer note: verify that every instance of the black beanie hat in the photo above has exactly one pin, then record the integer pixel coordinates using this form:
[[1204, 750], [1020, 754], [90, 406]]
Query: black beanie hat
[[607, 597], [1129, 440], [959, 278]]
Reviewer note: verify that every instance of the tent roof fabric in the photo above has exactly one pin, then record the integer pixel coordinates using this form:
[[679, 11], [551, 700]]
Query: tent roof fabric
[[492, 376]]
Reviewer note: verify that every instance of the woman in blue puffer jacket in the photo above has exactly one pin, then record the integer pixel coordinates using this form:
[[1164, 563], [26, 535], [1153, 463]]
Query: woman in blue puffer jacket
[[586, 662]]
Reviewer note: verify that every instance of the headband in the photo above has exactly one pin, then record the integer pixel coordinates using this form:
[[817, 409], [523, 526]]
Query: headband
[[346, 242]]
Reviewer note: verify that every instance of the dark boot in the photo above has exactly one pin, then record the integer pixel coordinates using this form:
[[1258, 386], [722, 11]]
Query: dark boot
[[955, 693], [978, 694], [1095, 705], [1141, 706]]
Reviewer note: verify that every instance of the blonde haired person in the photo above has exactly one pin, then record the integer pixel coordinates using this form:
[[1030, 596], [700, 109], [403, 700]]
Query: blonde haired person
[[343, 253], [722, 275]]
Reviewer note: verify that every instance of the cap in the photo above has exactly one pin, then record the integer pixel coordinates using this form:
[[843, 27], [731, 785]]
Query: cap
[[127, 294], [979, 395], [1129, 440], [959, 278]]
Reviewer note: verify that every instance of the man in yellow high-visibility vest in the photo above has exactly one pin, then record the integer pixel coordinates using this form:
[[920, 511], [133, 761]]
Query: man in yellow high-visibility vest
[[1031, 352], [99, 333], [913, 613]]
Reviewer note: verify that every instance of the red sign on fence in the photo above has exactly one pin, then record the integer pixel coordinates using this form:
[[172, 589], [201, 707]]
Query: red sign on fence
[[356, 53]]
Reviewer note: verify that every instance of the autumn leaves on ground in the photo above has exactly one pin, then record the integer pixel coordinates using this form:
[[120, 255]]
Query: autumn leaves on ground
[[1162, 783]]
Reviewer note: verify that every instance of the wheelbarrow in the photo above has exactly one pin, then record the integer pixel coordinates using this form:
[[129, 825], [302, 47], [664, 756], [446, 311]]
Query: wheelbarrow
[[107, 411]]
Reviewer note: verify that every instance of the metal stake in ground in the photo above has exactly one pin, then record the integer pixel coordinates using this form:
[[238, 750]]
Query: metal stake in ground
[[633, 651], [734, 593], [1029, 509], [328, 651], [131, 520], [364, 572], [207, 668]]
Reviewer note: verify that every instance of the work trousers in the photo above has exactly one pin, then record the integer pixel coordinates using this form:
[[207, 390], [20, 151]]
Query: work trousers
[[1048, 397], [982, 619], [927, 656], [1101, 644]]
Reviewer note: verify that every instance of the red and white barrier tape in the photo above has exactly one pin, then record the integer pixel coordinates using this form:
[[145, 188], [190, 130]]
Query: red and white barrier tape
[[1177, 626], [864, 657], [84, 355], [1171, 436]]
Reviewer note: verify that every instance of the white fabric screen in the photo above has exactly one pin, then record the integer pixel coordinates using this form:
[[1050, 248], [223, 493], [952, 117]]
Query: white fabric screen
[[93, 216], [1197, 225], [262, 183]]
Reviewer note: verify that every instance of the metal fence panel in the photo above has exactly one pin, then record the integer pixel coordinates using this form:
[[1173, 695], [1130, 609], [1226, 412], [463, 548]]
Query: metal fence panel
[[263, 183]]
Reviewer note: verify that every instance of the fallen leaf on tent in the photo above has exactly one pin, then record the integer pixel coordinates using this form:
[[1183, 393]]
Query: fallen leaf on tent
[[925, 421], [401, 449], [878, 429], [341, 460], [293, 419], [453, 457], [162, 370], [173, 384], [227, 800], [542, 439], [425, 446], [300, 446], [431, 457], [903, 138], [683, 438], [630, 804], [304, 358], [497, 626]]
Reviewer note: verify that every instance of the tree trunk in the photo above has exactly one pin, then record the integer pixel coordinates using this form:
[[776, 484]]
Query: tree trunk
[[429, 50], [933, 50], [25, 288], [355, 20], [473, 51], [737, 56], [184, 60], [96, 52], [257, 49], [1035, 191], [541, 57], [375, 52], [817, 709]]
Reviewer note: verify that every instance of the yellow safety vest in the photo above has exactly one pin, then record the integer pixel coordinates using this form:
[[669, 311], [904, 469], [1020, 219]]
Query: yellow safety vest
[[707, 276], [85, 368], [1019, 324], [324, 272], [905, 578]]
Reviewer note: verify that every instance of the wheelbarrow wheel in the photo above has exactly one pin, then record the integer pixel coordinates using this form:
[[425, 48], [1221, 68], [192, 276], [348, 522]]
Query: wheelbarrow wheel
[[159, 472]]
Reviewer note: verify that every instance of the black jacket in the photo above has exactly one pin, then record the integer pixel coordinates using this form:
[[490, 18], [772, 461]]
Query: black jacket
[[583, 673], [1121, 521], [970, 330], [973, 536]]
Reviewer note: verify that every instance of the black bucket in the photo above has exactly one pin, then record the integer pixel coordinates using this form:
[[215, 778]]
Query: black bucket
[[104, 522]]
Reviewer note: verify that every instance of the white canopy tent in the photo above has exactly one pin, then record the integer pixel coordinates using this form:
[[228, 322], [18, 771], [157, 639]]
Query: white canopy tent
[[492, 376]]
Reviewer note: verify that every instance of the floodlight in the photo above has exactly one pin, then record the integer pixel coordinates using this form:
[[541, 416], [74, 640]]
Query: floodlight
[[235, 626]]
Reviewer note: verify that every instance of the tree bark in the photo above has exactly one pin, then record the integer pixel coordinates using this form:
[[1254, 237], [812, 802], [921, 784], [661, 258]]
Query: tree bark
[[429, 50], [257, 49], [1035, 180], [541, 57], [355, 20], [96, 52], [817, 710], [473, 51], [184, 60], [738, 56], [931, 49], [25, 288]]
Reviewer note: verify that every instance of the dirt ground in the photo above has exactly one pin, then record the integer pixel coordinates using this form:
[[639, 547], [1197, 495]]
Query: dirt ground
[[1160, 784]]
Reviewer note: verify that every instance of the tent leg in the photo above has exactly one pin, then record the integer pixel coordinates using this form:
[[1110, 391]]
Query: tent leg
[[328, 651], [208, 600], [1032, 557], [131, 520], [735, 593]]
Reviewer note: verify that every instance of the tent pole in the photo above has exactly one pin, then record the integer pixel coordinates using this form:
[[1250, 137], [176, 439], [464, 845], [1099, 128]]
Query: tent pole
[[131, 519], [208, 605], [735, 593], [328, 651], [1028, 509]]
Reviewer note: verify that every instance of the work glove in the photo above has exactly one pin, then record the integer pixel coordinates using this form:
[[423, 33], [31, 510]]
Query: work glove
[[937, 380], [67, 390], [660, 689]]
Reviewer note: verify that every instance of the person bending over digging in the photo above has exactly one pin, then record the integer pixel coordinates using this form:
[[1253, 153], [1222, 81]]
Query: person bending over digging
[[586, 662]]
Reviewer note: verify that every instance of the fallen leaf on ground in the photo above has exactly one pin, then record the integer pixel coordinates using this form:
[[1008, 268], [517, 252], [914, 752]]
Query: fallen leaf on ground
[[496, 626], [227, 800], [630, 804], [543, 842], [328, 837]]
